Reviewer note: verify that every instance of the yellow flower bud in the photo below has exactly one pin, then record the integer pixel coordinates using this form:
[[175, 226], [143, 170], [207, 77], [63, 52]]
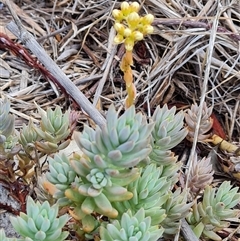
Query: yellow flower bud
[[137, 36], [118, 39], [125, 8], [119, 28], [147, 19], [117, 14], [134, 7], [148, 29], [127, 32], [133, 20], [129, 43]]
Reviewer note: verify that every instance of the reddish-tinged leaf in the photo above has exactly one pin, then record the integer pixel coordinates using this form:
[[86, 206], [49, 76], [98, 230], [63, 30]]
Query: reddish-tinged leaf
[[217, 127]]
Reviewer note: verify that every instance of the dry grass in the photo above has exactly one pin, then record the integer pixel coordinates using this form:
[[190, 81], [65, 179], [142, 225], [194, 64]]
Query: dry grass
[[193, 56], [171, 66]]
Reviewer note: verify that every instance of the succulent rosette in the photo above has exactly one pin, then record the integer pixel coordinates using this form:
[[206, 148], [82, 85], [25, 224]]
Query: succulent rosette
[[176, 208], [206, 122], [4, 238], [131, 227], [123, 142], [216, 208], [98, 185], [201, 174], [62, 175], [167, 133], [171, 172], [40, 223], [6, 119], [28, 136], [54, 130], [8, 139], [150, 191]]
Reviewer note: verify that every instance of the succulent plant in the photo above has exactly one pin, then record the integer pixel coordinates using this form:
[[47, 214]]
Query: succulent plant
[[54, 128], [28, 155], [212, 213], [28, 136], [150, 191], [61, 175], [99, 185], [176, 208], [201, 174], [131, 227], [205, 124], [8, 139], [40, 223], [167, 133], [6, 119], [171, 172], [123, 142], [106, 168]]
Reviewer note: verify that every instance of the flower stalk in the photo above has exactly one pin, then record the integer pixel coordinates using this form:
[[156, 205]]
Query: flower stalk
[[130, 28]]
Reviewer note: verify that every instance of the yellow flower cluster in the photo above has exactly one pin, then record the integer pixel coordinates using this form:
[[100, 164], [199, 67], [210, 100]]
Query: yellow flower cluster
[[130, 26]]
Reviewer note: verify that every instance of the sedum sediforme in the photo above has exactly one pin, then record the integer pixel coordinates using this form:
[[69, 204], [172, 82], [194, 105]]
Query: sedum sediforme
[[108, 179], [131, 227], [6, 121], [123, 142], [99, 185], [8, 140], [54, 130], [61, 174], [201, 174], [40, 223], [205, 124], [167, 133], [28, 136], [176, 208], [150, 191], [212, 213], [28, 156], [107, 166]]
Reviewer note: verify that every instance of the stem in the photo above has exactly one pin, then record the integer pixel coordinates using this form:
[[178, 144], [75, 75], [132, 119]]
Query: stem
[[125, 66]]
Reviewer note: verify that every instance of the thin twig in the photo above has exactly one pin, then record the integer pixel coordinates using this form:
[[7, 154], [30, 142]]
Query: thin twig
[[187, 232], [196, 24], [106, 72], [203, 94]]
